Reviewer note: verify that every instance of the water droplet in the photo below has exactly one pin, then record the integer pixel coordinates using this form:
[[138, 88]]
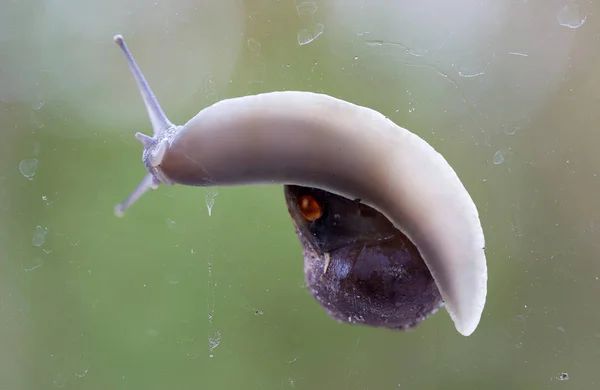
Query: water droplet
[[28, 167], [305, 37], [571, 16], [214, 341], [307, 8], [511, 130], [39, 105], [253, 45], [39, 237], [209, 199], [498, 157], [356, 57], [46, 200], [60, 380], [170, 223], [82, 373]]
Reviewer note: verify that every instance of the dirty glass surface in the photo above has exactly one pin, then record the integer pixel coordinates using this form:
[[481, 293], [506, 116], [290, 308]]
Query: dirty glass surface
[[204, 288]]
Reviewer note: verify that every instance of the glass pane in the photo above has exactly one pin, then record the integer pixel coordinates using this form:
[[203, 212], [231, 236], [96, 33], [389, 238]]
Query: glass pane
[[204, 287]]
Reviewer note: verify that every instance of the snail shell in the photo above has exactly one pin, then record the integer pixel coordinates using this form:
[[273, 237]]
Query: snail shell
[[357, 265]]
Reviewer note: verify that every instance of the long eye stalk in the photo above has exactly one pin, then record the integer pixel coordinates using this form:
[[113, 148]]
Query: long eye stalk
[[159, 120]]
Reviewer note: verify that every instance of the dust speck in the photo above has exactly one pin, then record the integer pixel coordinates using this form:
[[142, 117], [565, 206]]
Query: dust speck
[[39, 236], [39, 105], [258, 312], [563, 376], [305, 36], [571, 16], [28, 167], [4, 199]]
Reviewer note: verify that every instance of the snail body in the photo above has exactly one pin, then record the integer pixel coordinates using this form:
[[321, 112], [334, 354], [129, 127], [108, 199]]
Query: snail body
[[317, 141]]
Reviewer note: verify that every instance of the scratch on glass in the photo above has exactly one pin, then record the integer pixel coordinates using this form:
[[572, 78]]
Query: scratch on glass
[[445, 75], [407, 49], [214, 338], [470, 75]]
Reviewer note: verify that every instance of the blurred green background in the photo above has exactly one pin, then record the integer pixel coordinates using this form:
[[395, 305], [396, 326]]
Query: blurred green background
[[172, 296]]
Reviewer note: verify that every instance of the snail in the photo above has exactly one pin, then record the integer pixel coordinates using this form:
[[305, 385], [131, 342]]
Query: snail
[[338, 151]]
